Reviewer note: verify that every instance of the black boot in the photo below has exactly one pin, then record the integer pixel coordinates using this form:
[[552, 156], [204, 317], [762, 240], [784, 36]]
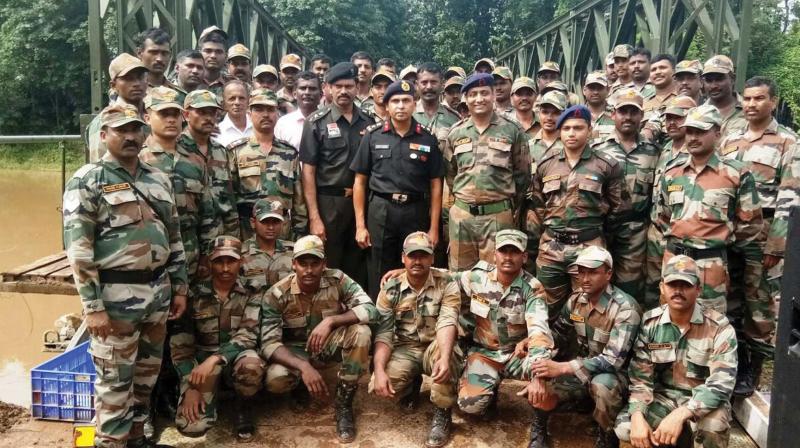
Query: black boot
[[491, 409], [245, 426], [440, 427], [744, 372], [343, 407], [606, 439], [539, 429], [301, 398], [409, 401], [747, 381]]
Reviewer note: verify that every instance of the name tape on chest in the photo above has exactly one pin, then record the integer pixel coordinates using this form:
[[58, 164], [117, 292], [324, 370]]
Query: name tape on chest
[[116, 187], [577, 318], [334, 131], [462, 141], [672, 188], [659, 346], [249, 164], [551, 177], [381, 146]]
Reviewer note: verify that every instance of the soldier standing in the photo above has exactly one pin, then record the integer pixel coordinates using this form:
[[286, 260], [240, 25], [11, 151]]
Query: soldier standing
[[314, 316], [595, 91], [547, 73], [718, 83], [291, 64], [622, 55], [266, 259], [376, 109], [662, 68], [112, 209], [523, 100], [549, 107], [503, 78], [639, 64], [488, 173], [239, 65]]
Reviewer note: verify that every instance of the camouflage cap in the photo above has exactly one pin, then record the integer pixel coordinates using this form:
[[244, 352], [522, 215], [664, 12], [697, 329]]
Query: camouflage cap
[[454, 81], [238, 51], [622, 51], [291, 60], [555, 85], [418, 241], [593, 257], [226, 246], [703, 117], [718, 64], [628, 97], [680, 267], [455, 71], [123, 64], [522, 83], [383, 74], [309, 245], [486, 61], [511, 237], [549, 66], [407, 71], [679, 106], [689, 66], [117, 115], [265, 68], [160, 98], [503, 72], [596, 78], [264, 97], [610, 58], [264, 208], [213, 29], [553, 98], [198, 99]]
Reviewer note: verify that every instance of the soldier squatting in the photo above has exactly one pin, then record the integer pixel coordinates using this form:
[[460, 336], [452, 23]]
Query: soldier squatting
[[625, 252]]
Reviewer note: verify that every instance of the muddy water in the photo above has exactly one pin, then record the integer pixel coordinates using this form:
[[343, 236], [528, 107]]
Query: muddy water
[[30, 228]]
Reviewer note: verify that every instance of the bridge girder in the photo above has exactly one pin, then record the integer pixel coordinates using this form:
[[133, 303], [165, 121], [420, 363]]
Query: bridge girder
[[245, 21], [580, 39]]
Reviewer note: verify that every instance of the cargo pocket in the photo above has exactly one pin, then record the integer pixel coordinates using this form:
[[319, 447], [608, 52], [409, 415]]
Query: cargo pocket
[[124, 208], [465, 157], [515, 322], [103, 356], [499, 154], [250, 178]]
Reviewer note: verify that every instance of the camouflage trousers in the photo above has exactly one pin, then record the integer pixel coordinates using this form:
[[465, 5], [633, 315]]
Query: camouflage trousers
[[711, 431], [628, 247], [755, 320], [654, 258], [244, 375], [349, 344], [472, 236], [552, 269], [483, 372], [606, 390], [127, 361], [409, 361], [191, 250]]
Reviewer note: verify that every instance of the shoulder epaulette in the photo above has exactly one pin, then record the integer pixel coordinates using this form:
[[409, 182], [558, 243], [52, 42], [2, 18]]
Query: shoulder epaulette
[[606, 158], [236, 143], [715, 316], [282, 143], [374, 127], [655, 312], [318, 114], [85, 169], [483, 266], [391, 283], [450, 109]]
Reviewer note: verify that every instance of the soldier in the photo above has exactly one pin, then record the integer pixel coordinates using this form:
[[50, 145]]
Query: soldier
[[376, 109], [416, 335], [488, 173], [216, 342], [595, 91], [765, 147], [188, 73], [707, 204], [661, 74], [638, 159], [429, 111], [291, 64], [264, 166], [266, 258], [674, 115], [682, 371], [387, 65], [547, 73], [330, 140], [688, 83], [112, 209], [639, 64], [365, 67], [308, 92], [577, 195], [452, 91], [152, 48], [239, 63], [622, 55], [605, 320], [718, 83], [200, 111], [265, 76], [212, 46], [129, 80], [611, 73], [523, 99], [483, 65], [409, 74], [549, 108], [237, 124], [313, 316], [502, 90], [320, 64], [454, 71]]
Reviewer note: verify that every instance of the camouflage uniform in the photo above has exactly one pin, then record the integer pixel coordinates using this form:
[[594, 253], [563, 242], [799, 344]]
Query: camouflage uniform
[[605, 334], [407, 324], [735, 120], [260, 270], [695, 369], [572, 205], [120, 226], [654, 106], [224, 327], [603, 124], [788, 197], [488, 173]]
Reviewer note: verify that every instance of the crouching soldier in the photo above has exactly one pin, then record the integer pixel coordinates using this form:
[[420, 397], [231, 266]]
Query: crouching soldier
[[416, 333], [683, 369], [309, 318], [215, 341], [606, 321]]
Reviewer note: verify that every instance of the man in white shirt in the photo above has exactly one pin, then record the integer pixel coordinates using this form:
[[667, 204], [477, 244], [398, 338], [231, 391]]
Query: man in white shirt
[[236, 125], [308, 93]]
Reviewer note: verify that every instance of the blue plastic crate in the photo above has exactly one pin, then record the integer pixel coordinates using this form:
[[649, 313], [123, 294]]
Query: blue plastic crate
[[63, 387]]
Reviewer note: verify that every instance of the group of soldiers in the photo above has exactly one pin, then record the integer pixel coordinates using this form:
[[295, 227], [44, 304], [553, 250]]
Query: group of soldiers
[[251, 225]]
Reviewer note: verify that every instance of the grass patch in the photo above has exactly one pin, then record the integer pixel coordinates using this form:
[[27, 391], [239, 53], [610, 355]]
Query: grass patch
[[41, 156]]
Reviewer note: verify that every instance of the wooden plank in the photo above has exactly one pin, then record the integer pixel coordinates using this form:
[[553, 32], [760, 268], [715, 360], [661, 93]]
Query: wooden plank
[[48, 269], [39, 288], [63, 274], [36, 264]]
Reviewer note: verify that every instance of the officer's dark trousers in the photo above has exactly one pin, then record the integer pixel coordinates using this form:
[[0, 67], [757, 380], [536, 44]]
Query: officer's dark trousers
[[389, 224], [341, 250]]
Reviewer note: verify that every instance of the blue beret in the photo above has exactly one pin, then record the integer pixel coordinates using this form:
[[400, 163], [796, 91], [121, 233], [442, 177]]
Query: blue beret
[[342, 70], [478, 80], [401, 87], [577, 111]]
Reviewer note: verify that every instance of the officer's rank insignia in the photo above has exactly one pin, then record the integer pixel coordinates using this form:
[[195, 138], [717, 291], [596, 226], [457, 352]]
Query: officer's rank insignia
[[672, 188], [661, 346], [116, 187], [577, 317]]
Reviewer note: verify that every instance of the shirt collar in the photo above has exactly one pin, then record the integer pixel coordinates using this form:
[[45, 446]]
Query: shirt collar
[[697, 316]]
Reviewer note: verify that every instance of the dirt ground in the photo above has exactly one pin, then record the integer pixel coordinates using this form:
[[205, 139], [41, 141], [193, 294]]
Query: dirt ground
[[10, 415]]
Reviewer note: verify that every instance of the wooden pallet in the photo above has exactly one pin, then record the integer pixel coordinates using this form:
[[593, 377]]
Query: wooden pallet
[[49, 275]]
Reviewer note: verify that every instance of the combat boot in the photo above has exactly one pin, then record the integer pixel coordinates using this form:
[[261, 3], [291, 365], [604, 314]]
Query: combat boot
[[539, 429], [747, 383], [491, 409], [606, 439], [343, 409], [301, 398], [409, 401], [743, 387], [245, 426], [440, 427]]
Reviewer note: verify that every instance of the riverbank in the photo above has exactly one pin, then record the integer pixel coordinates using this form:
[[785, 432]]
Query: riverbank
[[41, 156]]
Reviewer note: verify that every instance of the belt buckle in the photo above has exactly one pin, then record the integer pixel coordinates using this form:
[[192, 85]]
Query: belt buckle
[[400, 198], [474, 209], [573, 239]]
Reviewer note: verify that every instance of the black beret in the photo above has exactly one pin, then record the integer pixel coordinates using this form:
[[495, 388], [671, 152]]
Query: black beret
[[477, 80], [342, 70], [401, 87]]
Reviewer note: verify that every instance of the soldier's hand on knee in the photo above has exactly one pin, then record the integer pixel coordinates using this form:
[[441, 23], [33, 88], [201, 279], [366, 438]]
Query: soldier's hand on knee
[[383, 385], [441, 371], [193, 407], [362, 238], [99, 324], [671, 427], [536, 393], [177, 307], [521, 349], [641, 433], [201, 373], [317, 338], [313, 381]]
